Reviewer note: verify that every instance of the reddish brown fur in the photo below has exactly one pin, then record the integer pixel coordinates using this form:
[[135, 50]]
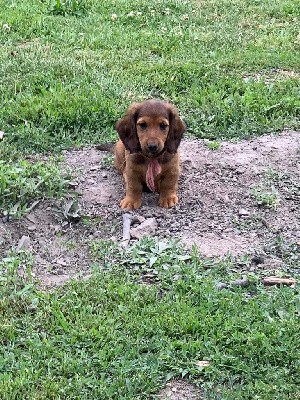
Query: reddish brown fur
[[148, 130]]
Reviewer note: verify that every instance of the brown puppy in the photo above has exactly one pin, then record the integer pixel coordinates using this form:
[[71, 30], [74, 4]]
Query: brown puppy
[[150, 133]]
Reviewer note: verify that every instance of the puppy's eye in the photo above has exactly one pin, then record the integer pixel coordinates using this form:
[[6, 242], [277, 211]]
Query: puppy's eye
[[163, 126], [143, 125]]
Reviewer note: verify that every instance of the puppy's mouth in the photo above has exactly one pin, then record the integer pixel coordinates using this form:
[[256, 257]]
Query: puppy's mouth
[[152, 151]]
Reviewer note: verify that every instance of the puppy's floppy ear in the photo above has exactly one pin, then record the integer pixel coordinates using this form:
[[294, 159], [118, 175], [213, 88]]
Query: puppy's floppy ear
[[126, 128], [176, 130]]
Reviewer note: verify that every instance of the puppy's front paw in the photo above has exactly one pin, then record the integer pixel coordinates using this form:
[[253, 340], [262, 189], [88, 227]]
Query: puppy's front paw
[[168, 201], [130, 203]]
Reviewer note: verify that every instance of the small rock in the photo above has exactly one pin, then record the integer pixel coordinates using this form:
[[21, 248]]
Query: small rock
[[31, 218], [31, 228], [146, 228], [138, 218], [59, 272], [23, 244], [104, 175], [95, 167], [256, 259], [148, 214], [6, 27], [72, 185], [221, 286], [244, 282], [243, 213], [62, 262], [225, 198], [56, 228]]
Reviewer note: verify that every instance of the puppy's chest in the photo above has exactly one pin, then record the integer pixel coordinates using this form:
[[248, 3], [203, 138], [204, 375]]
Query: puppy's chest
[[151, 169]]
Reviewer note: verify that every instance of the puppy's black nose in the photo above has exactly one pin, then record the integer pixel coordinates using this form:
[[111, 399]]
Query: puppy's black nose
[[152, 147]]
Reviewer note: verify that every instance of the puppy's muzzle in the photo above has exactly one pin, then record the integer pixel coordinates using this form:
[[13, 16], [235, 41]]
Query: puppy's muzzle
[[152, 148]]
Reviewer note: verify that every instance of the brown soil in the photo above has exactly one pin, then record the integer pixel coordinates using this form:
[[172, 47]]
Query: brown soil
[[179, 390], [217, 210]]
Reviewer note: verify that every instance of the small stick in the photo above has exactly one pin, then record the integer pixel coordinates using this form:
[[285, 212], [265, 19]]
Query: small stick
[[127, 220], [276, 280]]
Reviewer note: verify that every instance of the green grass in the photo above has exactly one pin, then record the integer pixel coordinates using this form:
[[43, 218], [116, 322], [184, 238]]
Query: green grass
[[67, 75], [213, 144], [69, 69], [23, 183], [267, 197], [113, 338]]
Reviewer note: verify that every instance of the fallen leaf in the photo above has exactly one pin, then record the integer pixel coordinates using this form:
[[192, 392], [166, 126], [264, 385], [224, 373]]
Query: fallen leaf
[[203, 363]]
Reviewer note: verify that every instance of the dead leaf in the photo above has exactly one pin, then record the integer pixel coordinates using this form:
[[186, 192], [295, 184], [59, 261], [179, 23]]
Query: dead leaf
[[203, 363]]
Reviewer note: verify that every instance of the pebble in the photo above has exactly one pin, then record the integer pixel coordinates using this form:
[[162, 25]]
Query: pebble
[[23, 244], [31, 218], [62, 262], [221, 285], [243, 213], [138, 218], [72, 185], [146, 228], [257, 259]]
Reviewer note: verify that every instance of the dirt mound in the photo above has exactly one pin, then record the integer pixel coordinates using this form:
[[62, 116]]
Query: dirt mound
[[243, 198], [229, 186]]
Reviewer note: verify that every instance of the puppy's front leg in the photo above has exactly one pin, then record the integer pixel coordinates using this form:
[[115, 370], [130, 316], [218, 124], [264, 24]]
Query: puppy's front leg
[[168, 190], [134, 190]]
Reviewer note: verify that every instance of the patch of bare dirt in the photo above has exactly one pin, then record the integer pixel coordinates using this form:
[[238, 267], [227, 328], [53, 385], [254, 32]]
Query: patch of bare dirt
[[61, 246], [179, 390], [217, 211], [228, 217]]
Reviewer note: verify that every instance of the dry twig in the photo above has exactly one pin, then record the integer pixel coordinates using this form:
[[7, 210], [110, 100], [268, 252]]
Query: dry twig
[[276, 280], [127, 220]]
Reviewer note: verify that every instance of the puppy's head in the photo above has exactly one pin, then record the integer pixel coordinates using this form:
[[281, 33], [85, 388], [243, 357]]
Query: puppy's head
[[151, 127]]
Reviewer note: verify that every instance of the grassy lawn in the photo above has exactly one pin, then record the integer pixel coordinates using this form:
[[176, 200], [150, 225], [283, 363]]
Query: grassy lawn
[[68, 71], [113, 338], [68, 74]]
